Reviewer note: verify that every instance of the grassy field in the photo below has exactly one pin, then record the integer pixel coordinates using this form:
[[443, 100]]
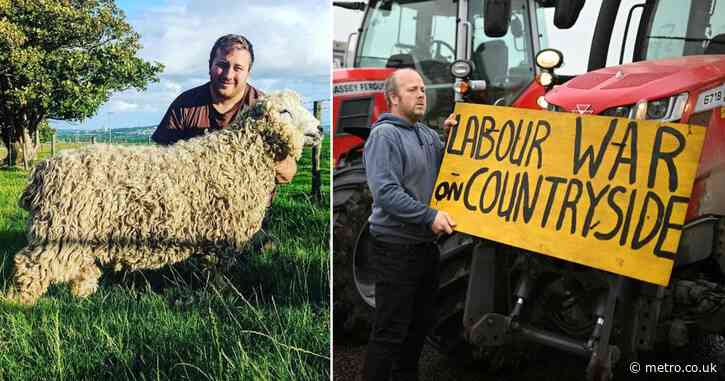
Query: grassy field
[[270, 321]]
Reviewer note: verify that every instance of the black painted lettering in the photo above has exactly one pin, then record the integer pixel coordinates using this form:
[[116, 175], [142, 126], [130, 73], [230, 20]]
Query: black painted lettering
[[515, 158], [496, 191], [594, 199], [452, 140], [667, 157], [555, 181], [469, 184], [469, 137], [637, 241], [446, 190], [630, 139], [588, 156], [485, 137], [667, 226], [612, 204], [505, 212], [511, 128], [538, 141], [441, 191], [570, 204], [627, 218], [456, 190], [523, 197]]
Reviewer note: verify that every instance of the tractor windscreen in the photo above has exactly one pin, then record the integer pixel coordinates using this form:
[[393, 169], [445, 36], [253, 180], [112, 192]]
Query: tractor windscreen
[[422, 35], [685, 28], [402, 33], [414, 34]]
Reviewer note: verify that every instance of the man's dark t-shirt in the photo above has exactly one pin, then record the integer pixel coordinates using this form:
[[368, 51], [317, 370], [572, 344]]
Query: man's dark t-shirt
[[192, 113]]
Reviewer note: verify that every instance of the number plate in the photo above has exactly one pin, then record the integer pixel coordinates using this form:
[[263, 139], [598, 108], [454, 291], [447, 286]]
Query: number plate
[[711, 99]]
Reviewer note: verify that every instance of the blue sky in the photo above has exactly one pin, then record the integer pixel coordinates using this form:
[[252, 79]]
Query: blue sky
[[292, 45]]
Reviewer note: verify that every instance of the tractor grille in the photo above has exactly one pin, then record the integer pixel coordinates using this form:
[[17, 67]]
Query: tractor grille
[[354, 114]]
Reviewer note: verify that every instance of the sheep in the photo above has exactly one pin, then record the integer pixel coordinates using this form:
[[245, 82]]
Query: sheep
[[139, 208]]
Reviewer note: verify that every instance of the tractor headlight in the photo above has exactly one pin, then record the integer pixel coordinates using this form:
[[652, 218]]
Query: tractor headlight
[[546, 79], [549, 59], [664, 109], [461, 68]]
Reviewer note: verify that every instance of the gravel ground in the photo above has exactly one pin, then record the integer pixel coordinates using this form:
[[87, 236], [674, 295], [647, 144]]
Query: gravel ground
[[348, 360], [557, 366], [554, 366]]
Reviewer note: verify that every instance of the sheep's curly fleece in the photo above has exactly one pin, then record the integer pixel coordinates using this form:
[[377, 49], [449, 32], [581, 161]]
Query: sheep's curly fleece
[[147, 207]]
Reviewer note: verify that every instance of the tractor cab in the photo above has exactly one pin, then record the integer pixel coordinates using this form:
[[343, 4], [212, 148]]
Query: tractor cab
[[496, 41]]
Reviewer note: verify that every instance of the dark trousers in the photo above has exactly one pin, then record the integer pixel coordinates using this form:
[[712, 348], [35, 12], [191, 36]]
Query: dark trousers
[[405, 293]]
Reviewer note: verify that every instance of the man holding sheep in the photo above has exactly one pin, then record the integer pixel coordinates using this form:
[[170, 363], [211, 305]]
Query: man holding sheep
[[402, 157], [215, 104]]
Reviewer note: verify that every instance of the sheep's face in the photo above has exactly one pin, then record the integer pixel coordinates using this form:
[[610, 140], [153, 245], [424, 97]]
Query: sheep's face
[[293, 112], [290, 125]]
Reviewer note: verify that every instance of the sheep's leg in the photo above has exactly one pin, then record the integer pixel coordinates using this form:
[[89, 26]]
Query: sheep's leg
[[87, 281], [30, 279], [38, 266]]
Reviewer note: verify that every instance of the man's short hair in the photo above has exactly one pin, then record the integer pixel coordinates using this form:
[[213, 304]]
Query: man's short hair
[[229, 41], [390, 86]]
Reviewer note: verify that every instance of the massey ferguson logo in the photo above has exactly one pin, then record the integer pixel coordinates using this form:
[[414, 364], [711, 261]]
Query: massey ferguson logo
[[358, 87], [583, 109]]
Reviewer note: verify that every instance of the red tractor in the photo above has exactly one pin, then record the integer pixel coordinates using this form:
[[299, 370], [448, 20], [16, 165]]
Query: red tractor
[[498, 38], [676, 74]]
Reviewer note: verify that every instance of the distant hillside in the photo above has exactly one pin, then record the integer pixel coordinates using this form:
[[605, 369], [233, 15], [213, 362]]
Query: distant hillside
[[117, 135], [129, 135], [142, 130]]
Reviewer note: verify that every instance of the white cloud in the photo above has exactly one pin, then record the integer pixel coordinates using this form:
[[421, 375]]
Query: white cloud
[[122, 106], [171, 86], [292, 46], [288, 38]]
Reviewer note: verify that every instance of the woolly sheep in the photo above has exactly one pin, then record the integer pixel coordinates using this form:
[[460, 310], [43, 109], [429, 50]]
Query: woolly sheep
[[147, 207]]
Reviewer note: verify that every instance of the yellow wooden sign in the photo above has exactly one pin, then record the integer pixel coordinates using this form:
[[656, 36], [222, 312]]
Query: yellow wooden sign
[[609, 193]]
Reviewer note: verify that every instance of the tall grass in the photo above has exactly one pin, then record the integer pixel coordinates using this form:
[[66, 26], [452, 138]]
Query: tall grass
[[268, 319]]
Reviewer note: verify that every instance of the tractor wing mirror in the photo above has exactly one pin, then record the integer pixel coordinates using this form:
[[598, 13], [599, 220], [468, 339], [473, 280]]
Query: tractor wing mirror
[[496, 16], [354, 5], [567, 12]]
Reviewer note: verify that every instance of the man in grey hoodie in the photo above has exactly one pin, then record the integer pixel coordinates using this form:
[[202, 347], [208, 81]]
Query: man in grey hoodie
[[402, 157]]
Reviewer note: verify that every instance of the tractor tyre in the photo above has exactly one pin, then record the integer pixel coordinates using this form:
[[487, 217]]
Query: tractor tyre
[[446, 335], [352, 316]]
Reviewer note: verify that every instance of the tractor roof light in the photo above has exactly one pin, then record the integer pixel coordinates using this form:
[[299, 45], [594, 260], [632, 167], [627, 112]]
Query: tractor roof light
[[461, 68], [549, 59]]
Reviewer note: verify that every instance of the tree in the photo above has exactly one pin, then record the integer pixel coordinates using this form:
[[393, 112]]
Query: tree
[[45, 131], [62, 59]]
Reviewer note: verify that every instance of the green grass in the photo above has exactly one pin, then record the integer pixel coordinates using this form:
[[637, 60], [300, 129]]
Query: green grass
[[271, 323]]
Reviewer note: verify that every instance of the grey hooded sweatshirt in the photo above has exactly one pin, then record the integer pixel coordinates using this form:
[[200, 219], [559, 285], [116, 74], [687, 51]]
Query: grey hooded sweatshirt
[[402, 162]]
